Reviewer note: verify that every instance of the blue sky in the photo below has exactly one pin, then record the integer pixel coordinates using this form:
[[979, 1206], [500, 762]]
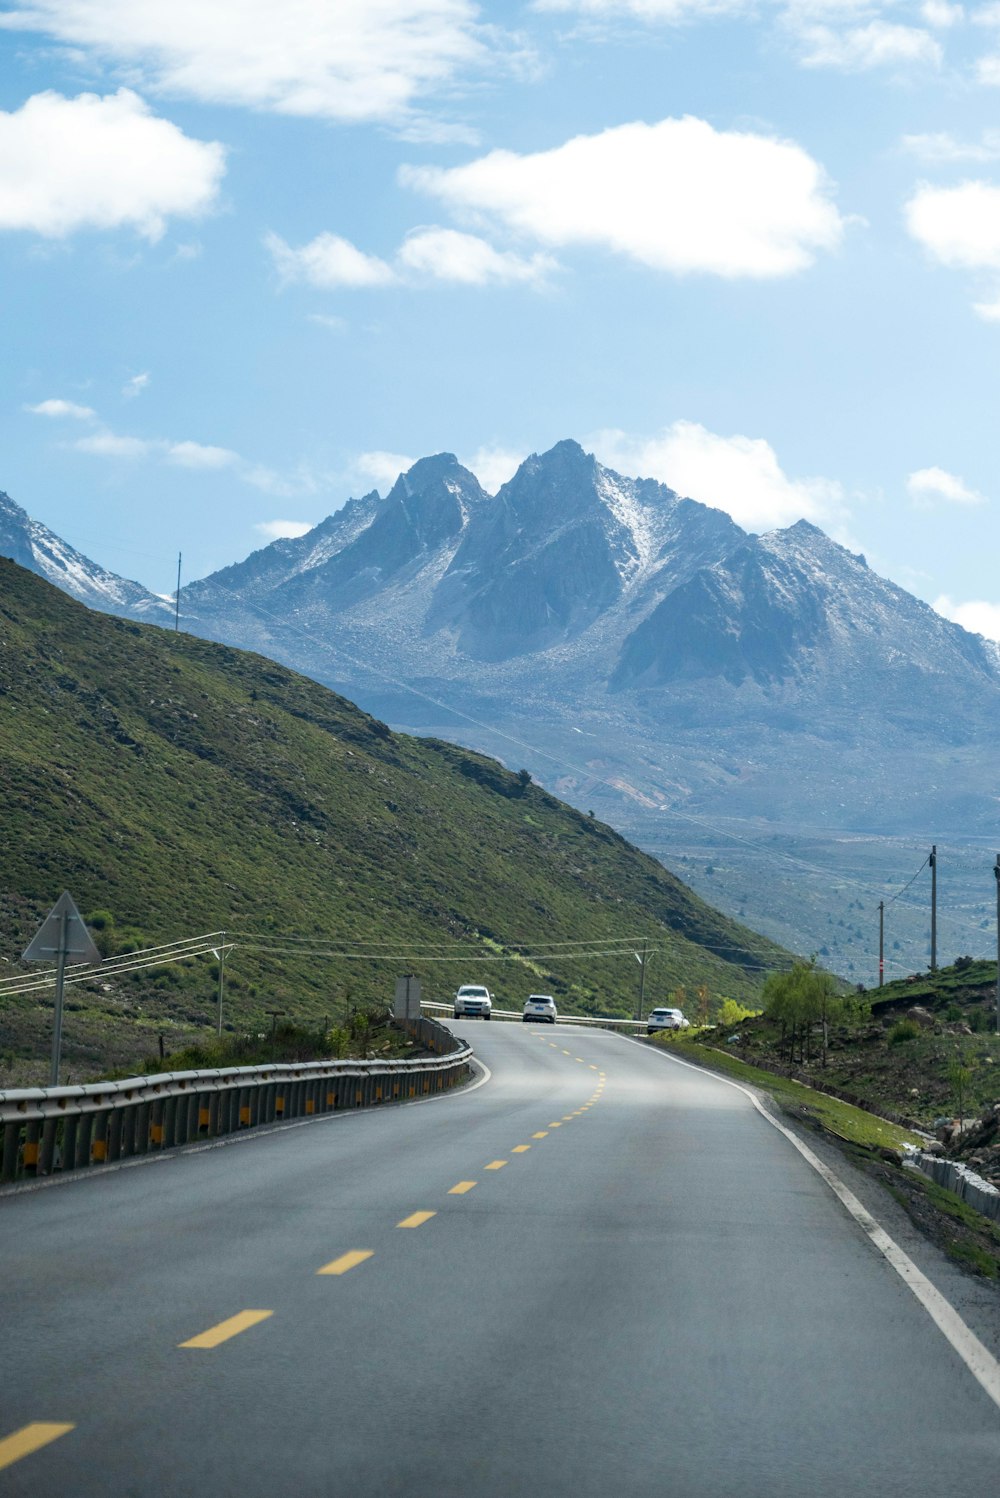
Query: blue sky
[[256, 258]]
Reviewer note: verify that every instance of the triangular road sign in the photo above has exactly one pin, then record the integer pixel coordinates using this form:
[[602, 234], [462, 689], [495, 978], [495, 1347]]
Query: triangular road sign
[[62, 933]]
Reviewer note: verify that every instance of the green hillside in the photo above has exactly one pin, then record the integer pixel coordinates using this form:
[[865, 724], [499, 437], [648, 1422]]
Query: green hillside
[[177, 787]]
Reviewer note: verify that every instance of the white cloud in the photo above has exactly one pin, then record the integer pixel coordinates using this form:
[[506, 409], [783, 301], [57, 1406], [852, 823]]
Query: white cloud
[[928, 485], [351, 60], [941, 14], [944, 147], [958, 226], [381, 468], [330, 321], [328, 261], [199, 455], [740, 475], [101, 163], [857, 49], [447, 255], [978, 616], [282, 530], [493, 466], [670, 11], [678, 196], [988, 311], [62, 408], [110, 445], [988, 70], [135, 386]]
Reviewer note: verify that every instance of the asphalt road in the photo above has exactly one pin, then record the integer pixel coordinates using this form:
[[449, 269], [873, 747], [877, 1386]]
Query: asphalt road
[[596, 1273]]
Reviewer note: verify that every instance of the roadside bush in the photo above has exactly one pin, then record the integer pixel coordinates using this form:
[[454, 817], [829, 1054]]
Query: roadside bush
[[903, 1030]]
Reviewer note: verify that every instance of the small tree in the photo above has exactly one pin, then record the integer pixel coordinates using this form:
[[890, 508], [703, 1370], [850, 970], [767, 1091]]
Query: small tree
[[798, 999]]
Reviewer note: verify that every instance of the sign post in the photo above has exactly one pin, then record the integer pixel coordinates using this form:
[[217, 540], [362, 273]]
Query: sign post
[[62, 936]]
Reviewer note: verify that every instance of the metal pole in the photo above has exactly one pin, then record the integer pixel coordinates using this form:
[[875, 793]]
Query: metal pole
[[61, 956], [222, 980], [177, 597], [642, 979], [933, 862], [881, 943], [996, 875]]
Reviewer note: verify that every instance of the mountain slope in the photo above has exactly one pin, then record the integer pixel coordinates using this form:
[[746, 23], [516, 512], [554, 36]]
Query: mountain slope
[[185, 787], [34, 546]]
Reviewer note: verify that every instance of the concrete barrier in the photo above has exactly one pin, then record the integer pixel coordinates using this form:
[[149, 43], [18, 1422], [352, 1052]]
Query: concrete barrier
[[957, 1178]]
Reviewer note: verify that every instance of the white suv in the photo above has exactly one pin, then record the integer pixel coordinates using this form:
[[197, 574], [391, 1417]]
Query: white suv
[[472, 1002], [666, 1019], [540, 1006]]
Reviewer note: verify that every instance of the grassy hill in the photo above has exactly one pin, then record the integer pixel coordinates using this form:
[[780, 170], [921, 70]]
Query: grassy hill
[[943, 1062], [176, 786]]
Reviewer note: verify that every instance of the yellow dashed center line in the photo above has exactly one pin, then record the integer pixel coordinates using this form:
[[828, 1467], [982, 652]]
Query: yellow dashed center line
[[593, 1067], [567, 1053], [542, 1134], [461, 1188], [28, 1439], [347, 1261], [416, 1219], [519, 1149], [496, 1165], [216, 1335], [567, 1118], [555, 1125]]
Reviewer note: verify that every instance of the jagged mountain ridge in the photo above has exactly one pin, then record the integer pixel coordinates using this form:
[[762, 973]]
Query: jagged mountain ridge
[[638, 652], [32, 545]]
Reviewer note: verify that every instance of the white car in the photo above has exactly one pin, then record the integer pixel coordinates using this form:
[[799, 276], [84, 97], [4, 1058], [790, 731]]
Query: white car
[[540, 1006], [472, 1002], [666, 1019]]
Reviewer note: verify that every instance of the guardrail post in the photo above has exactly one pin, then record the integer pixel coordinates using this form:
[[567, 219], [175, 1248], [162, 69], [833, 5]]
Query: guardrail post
[[243, 1102], [11, 1148], [70, 1127], [31, 1133], [114, 1142], [85, 1125], [142, 1132], [154, 1139], [47, 1152], [171, 1107], [99, 1138]]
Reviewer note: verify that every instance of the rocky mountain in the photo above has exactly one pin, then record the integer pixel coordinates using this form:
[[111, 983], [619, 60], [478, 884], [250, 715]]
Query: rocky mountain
[[699, 687], [41, 551]]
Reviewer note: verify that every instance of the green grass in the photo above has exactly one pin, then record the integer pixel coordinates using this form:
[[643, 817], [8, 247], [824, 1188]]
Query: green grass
[[843, 1119], [175, 786]]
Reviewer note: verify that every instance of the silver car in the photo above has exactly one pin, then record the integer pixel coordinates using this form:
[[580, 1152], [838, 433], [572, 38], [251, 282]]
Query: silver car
[[540, 1006], [472, 1002]]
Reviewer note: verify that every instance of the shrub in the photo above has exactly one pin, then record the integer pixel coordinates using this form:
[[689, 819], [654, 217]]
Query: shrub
[[903, 1030]]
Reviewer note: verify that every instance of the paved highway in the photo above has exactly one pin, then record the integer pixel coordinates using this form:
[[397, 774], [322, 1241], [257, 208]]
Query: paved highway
[[597, 1272]]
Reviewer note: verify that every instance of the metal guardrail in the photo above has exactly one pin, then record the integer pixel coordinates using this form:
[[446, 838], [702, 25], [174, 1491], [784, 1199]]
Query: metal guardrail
[[56, 1129], [563, 1019]]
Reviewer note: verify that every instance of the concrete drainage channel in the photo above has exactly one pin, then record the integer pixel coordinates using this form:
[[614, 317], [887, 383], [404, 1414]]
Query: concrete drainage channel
[[959, 1179], [55, 1130]]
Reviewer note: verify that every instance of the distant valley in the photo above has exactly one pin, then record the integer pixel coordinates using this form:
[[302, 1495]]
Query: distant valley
[[781, 726]]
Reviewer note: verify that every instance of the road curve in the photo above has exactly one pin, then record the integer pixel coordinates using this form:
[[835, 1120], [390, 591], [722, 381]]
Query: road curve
[[599, 1271]]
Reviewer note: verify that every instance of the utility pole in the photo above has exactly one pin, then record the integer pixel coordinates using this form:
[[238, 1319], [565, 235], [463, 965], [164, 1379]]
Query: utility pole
[[881, 942], [177, 597], [642, 976], [996, 875], [933, 864], [222, 982]]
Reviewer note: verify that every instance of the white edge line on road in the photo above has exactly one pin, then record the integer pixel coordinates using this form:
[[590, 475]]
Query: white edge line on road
[[265, 1131], [978, 1359]]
